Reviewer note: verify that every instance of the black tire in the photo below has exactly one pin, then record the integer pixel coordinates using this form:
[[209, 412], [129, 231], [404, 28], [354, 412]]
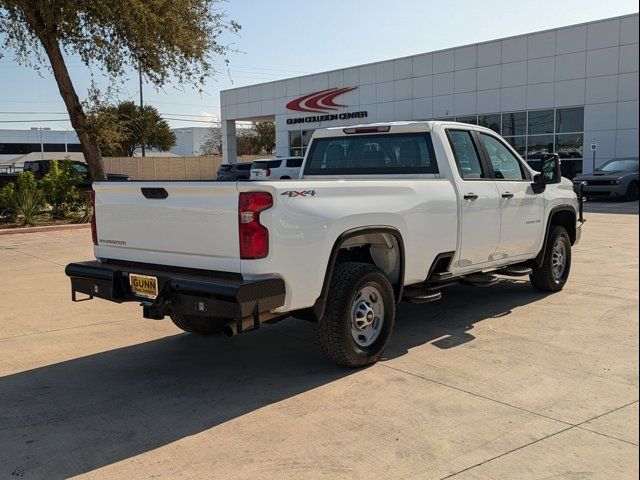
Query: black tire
[[196, 324], [546, 278], [633, 192], [334, 328]]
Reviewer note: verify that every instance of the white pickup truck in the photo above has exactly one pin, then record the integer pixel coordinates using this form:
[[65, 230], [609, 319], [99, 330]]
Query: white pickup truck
[[381, 213]]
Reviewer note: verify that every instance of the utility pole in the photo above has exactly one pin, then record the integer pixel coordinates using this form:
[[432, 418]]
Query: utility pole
[[141, 105]]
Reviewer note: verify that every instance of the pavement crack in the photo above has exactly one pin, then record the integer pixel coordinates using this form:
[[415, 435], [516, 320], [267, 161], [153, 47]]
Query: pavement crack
[[578, 425]]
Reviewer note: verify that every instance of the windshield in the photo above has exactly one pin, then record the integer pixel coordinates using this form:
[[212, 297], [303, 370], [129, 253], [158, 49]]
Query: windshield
[[617, 165]]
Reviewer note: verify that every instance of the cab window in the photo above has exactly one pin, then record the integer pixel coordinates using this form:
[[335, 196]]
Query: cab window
[[466, 155], [505, 164]]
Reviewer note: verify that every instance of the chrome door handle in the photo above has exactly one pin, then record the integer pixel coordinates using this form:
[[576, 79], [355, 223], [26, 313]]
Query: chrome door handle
[[471, 196], [507, 195]]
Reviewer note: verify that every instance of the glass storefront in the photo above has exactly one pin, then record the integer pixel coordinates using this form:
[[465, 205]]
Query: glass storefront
[[298, 142], [534, 133]]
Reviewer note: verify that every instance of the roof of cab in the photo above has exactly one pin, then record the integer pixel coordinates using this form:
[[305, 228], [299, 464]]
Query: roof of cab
[[394, 127]]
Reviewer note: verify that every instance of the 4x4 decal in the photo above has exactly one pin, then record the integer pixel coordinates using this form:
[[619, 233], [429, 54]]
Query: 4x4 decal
[[299, 193]]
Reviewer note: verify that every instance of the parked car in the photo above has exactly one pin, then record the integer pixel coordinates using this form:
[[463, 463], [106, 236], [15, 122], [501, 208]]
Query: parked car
[[282, 168], [617, 179], [41, 167], [234, 171], [381, 214]]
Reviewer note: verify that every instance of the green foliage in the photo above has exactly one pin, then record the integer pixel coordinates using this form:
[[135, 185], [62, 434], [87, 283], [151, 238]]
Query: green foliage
[[83, 215], [6, 201], [259, 140], [129, 128], [27, 182], [28, 206], [60, 187]]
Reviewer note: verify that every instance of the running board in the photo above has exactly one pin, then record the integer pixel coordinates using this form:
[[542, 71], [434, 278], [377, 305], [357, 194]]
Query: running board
[[421, 295], [515, 271], [480, 280]]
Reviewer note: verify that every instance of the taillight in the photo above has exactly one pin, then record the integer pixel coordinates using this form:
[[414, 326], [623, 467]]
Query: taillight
[[94, 231], [267, 172], [254, 237]]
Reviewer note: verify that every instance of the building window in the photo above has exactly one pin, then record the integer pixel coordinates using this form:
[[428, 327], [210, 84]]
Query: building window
[[537, 132], [298, 142]]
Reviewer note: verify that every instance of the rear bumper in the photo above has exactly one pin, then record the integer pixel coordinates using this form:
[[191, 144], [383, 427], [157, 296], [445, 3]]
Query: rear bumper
[[188, 292]]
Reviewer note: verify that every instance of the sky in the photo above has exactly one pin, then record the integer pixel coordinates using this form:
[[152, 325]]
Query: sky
[[286, 38]]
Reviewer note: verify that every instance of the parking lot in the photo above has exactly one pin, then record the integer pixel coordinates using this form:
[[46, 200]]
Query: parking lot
[[502, 382]]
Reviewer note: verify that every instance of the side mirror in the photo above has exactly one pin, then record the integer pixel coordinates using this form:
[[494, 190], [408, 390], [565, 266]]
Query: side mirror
[[551, 168], [551, 173]]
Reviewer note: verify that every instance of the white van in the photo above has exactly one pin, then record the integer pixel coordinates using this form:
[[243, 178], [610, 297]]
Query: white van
[[276, 168]]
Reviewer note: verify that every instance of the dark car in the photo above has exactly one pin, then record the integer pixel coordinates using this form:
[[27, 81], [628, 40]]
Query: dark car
[[40, 168], [616, 179], [234, 171]]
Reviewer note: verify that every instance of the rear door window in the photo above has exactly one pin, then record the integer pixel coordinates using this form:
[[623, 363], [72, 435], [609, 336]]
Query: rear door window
[[294, 162], [466, 155], [396, 153], [266, 164]]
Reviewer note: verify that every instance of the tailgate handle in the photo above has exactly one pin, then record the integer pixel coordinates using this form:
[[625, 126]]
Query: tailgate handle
[[157, 193]]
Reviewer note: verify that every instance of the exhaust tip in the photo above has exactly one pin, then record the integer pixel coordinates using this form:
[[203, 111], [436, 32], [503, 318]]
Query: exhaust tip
[[229, 331]]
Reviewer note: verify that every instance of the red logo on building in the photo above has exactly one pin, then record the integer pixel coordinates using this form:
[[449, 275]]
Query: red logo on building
[[319, 102]]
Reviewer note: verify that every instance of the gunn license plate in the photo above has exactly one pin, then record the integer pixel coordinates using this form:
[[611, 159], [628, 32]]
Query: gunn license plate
[[143, 285]]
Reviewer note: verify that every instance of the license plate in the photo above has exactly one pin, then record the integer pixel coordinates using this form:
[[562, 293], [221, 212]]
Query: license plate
[[143, 285]]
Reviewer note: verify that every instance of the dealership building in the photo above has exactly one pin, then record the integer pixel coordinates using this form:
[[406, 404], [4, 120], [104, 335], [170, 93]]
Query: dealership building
[[571, 90]]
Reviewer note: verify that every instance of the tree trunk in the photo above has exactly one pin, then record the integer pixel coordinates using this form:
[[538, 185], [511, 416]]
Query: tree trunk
[[90, 148], [40, 20]]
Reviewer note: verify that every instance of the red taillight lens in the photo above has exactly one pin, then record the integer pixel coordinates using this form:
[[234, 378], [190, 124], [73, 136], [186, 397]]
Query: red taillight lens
[[94, 232], [267, 172], [254, 237]]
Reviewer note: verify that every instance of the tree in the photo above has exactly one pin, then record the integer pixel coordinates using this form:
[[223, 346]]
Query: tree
[[265, 137], [163, 38], [137, 128], [212, 143]]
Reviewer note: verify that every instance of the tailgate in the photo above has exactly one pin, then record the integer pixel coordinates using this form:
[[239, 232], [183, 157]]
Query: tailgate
[[184, 224]]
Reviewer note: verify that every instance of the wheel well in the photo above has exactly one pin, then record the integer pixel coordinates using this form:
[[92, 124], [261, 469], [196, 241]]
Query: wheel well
[[380, 246], [566, 219]]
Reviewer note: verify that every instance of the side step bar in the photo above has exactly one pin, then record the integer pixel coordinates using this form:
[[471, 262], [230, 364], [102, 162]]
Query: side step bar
[[515, 271], [480, 280]]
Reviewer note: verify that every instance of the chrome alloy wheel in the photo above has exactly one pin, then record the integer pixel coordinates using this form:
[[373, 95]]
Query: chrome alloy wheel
[[559, 260], [367, 316]]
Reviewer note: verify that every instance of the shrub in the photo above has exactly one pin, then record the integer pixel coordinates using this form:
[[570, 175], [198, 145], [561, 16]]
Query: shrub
[[27, 182], [6, 201], [27, 205], [84, 209], [60, 187]]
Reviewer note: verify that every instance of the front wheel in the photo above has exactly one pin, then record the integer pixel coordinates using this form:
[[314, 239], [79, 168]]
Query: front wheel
[[633, 192], [553, 273], [359, 315]]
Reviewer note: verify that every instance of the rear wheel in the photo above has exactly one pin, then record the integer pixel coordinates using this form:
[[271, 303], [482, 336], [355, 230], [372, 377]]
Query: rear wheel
[[633, 191], [359, 315], [553, 273], [195, 324]]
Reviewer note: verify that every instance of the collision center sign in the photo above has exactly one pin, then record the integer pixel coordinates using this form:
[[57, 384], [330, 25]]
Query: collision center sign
[[322, 102]]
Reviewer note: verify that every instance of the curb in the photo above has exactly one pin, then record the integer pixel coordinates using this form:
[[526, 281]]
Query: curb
[[50, 228]]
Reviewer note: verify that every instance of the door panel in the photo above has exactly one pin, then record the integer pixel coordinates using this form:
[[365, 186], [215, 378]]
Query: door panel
[[480, 202], [521, 210], [480, 223], [521, 219]]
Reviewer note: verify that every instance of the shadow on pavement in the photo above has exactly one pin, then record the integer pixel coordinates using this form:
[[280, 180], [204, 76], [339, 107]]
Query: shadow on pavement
[[73, 417]]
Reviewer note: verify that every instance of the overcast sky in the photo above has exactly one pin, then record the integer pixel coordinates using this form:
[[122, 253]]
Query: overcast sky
[[285, 38]]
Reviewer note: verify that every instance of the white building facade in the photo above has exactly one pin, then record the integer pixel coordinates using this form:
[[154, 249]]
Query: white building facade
[[560, 90]]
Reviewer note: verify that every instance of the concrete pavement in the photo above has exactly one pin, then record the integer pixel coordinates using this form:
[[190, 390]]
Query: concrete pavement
[[503, 382]]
